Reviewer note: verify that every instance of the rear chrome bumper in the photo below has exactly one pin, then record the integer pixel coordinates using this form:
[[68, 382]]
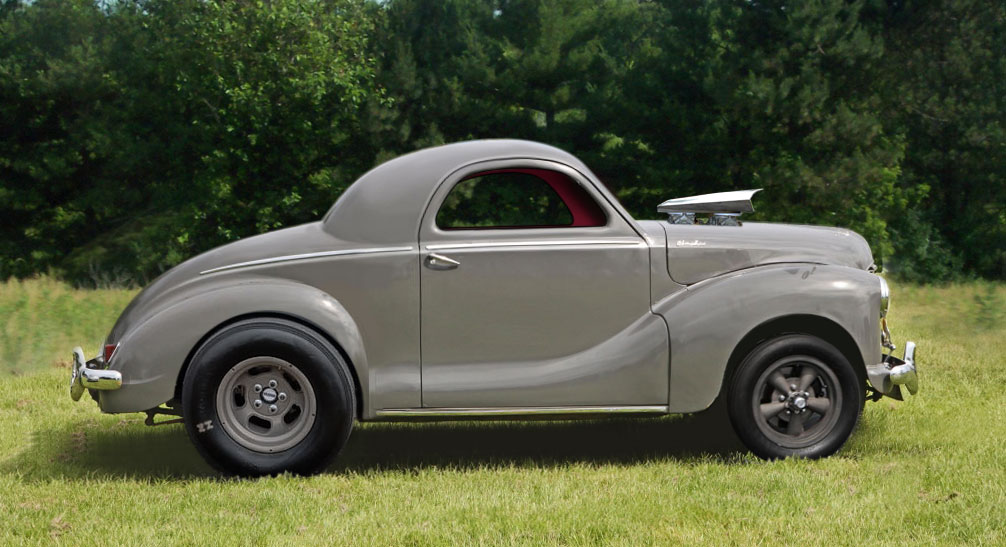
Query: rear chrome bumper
[[888, 376], [87, 375]]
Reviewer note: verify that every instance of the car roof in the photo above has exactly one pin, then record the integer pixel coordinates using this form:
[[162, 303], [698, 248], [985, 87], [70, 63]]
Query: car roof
[[386, 204]]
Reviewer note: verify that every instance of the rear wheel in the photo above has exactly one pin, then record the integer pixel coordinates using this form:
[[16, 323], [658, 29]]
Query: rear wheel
[[263, 396], [795, 395]]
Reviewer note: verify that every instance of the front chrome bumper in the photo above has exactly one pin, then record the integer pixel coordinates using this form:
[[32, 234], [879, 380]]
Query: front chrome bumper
[[86, 375], [889, 375]]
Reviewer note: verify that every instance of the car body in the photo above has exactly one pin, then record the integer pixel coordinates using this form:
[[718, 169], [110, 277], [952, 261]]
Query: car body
[[594, 313]]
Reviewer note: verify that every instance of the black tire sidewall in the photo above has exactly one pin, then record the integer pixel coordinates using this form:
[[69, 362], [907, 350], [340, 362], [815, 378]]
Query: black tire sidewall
[[321, 363], [742, 390]]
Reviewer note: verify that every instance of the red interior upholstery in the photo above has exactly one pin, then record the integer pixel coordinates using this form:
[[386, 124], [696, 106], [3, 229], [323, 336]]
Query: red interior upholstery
[[582, 207]]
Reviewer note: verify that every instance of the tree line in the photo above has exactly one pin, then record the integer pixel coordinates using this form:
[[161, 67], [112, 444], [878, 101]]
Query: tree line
[[137, 133]]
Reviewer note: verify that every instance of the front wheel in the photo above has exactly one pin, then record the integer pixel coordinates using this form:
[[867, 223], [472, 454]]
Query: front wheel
[[263, 396], [795, 395]]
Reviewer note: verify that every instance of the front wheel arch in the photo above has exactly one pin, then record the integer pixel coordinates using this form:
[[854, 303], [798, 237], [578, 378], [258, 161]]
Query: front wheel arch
[[813, 325], [358, 390]]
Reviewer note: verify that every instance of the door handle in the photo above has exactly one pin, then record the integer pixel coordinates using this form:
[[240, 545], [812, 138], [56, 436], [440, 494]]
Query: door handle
[[436, 261]]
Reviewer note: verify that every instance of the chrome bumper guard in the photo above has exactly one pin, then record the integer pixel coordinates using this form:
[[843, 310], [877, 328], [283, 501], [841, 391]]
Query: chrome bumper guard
[[85, 375], [888, 376]]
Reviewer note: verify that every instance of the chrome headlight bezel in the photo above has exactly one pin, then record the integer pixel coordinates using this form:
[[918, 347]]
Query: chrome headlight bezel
[[885, 297]]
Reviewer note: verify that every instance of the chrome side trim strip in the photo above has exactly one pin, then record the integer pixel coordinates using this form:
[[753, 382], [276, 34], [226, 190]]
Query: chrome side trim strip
[[305, 256], [522, 411], [538, 243]]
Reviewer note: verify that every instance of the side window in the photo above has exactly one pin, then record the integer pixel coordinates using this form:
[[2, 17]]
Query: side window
[[518, 198]]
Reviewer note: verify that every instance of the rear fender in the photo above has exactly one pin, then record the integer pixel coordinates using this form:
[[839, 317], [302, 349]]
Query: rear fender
[[151, 356]]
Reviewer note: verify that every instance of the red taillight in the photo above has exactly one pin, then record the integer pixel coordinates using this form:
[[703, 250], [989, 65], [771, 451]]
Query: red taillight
[[109, 351]]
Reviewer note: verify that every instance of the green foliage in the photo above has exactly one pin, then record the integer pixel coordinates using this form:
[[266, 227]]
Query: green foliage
[[156, 129], [990, 307], [54, 139], [270, 91], [767, 94], [140, 132], [943, 77]]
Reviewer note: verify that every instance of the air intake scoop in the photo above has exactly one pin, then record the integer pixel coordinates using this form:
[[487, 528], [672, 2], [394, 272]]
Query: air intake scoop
[[724, 207]]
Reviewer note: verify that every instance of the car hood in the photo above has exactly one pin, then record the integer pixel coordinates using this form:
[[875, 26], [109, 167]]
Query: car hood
[[699, 252], [174, 283]]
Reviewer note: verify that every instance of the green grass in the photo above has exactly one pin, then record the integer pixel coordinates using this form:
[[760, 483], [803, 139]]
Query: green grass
[[928, 470], [41, 320]]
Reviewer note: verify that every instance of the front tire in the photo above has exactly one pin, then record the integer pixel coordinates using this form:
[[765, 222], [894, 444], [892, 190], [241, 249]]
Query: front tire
[[795, 395], [264, 396]]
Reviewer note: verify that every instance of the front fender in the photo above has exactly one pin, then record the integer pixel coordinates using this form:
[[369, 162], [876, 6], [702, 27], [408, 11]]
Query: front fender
[[709, 319], [151, 354]]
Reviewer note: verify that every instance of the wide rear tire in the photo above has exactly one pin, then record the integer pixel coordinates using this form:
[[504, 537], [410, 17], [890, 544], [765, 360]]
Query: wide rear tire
[[266, 395]]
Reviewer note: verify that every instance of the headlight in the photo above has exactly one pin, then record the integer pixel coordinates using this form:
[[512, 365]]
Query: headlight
[[885, 297]]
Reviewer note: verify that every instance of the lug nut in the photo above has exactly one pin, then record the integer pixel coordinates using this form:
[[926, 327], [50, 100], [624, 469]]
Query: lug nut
[[793, 387], [282, 396], [272, 409], [273, 384], [782, 397], [257, 403], [257, 388]]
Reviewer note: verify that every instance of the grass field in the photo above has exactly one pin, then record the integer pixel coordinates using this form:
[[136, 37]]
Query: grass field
[[929, 470]]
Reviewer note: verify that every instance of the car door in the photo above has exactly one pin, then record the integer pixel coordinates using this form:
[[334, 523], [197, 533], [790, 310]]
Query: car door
[[535, 293]]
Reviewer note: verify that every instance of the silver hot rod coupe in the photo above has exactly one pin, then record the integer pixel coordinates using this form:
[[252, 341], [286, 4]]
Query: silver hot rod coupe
[[501, 279]]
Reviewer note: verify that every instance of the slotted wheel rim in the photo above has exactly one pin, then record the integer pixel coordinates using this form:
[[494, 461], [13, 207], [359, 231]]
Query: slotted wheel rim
[[266, 404], [797, 401]]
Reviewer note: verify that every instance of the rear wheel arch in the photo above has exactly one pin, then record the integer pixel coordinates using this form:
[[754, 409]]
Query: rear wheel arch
[[357, 386]]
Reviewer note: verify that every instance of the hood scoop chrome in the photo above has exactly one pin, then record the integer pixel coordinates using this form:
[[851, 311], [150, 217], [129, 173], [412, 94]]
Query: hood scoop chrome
[[722, 208]]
